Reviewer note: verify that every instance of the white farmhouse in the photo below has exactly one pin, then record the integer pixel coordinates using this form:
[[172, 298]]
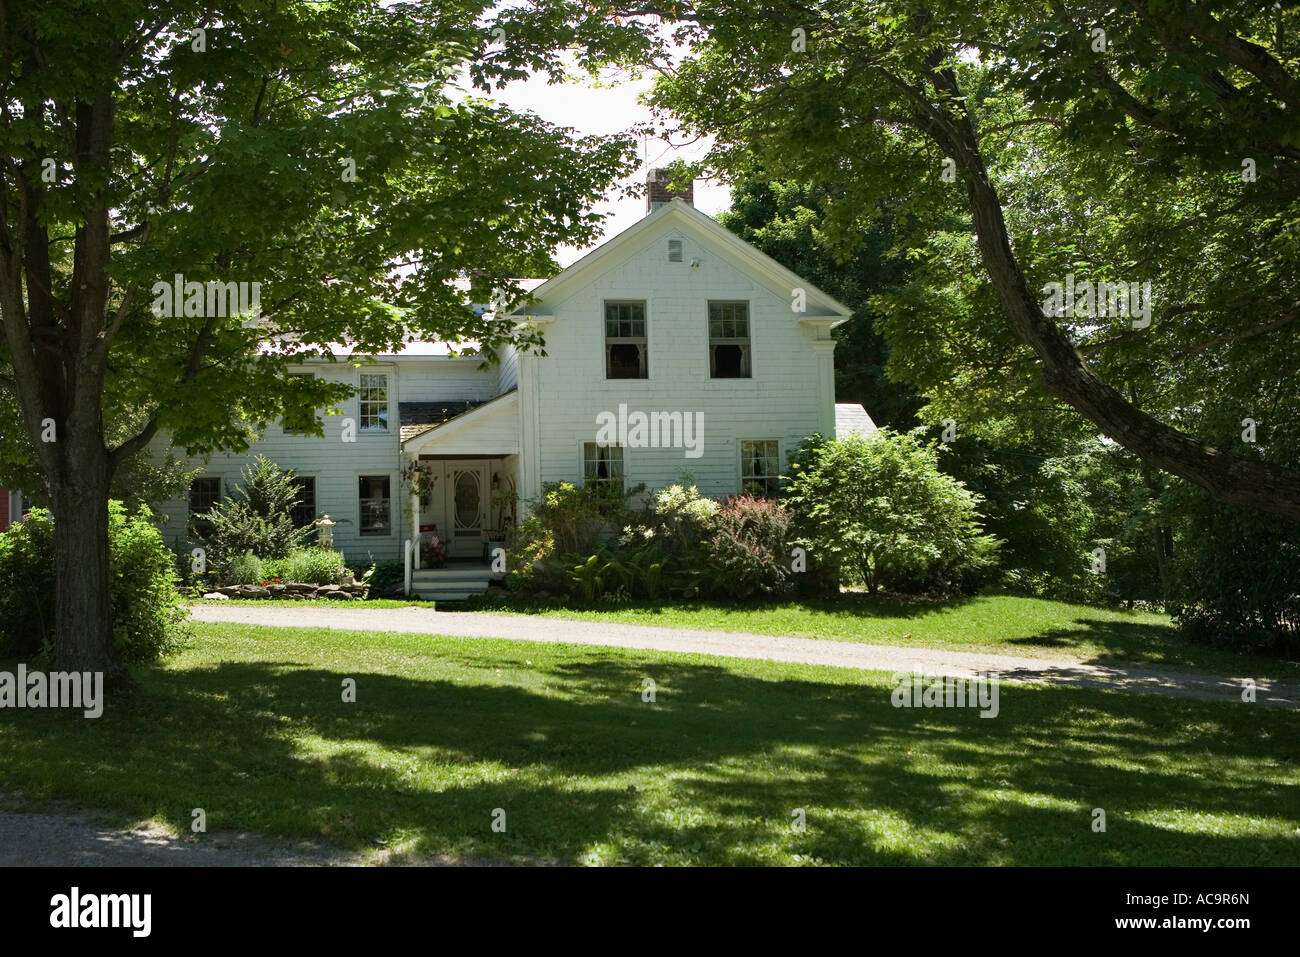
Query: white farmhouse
[[675, 347]]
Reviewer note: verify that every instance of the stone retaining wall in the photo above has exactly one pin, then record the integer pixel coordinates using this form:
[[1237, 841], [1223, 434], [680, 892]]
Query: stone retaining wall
[[291, 590]]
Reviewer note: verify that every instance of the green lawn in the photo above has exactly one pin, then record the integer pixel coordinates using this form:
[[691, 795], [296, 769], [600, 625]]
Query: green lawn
[[988, 623], [248, 724]]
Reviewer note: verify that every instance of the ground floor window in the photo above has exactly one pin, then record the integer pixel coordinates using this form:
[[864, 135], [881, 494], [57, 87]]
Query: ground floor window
[[205, 494], [376, 501], [602, 465], [760, 467], [304, 513]]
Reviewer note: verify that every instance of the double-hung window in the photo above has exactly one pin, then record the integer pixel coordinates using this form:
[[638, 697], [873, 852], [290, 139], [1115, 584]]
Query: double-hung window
[[760, 467], [375, 501], [729, 340], [625, 340], [374, 403], [205, 493], [304, 513], [602, 465]]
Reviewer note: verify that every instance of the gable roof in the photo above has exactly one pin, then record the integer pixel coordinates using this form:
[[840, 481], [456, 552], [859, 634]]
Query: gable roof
[[466, 415], [681, 214], [417, 417]]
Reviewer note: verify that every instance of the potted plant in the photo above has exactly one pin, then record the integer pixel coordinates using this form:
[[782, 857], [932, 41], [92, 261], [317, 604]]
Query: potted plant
[[418, 480], [503, 502], [433, 553], [495, 538]]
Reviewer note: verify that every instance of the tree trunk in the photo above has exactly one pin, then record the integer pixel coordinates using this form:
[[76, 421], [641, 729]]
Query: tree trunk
[[83, 637], [1162, 536]]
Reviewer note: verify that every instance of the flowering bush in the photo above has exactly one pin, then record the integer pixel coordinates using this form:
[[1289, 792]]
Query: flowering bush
[[684, 545], [749, 548]]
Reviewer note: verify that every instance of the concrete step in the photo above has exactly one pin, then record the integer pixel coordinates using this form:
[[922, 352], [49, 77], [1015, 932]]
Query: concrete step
[[447, 592], [441, 596], [471, 573]]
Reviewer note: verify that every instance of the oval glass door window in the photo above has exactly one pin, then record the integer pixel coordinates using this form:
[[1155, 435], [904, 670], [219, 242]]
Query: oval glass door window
[[467, 501]]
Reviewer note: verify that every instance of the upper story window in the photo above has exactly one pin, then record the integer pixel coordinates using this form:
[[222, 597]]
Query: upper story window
[[602, 465], [760, 467], [296, 375], [729, 340], [625, 340], [374, 403]]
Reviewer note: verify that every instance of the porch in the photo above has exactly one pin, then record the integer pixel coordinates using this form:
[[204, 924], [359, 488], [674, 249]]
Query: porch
[[459, 481]]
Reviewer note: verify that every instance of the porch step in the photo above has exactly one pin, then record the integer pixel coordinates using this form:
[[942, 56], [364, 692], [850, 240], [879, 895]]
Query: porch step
[[454, 573], [451, 583]]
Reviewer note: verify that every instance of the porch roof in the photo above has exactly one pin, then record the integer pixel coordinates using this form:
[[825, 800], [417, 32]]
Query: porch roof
[[488, 428], [415, 418]]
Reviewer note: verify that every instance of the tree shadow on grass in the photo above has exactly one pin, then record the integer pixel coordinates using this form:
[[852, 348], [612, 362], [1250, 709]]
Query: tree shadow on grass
[[712, 771], [1122, 639], [1150, 644]]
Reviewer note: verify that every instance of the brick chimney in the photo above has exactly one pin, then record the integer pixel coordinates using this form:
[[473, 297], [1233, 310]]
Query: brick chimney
[[658, 193]]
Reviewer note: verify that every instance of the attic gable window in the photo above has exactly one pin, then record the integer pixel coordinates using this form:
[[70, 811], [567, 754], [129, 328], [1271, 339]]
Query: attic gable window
[[625, 340], [729, 340], [674, 250]]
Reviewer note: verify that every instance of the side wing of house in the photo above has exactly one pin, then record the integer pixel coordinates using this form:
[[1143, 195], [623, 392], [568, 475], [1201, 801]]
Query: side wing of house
[[704, 355], [354, 472]]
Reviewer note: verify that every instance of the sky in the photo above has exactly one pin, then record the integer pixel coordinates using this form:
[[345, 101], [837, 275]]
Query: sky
[[604, 110]]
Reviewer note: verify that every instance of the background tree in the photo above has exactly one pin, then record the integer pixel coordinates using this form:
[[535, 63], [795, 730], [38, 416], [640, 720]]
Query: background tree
[[784, 219], [1051, 492], [337, 154]]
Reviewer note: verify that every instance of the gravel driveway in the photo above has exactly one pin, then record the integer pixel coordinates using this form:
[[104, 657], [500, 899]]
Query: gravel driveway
[[73, 839], [732, 644]]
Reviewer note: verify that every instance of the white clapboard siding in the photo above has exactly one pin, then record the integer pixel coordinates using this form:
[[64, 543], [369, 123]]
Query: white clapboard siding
[[789, 396], [540, 410]]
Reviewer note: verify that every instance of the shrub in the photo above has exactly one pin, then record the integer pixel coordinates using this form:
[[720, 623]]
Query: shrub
[[579, 518], [567, 524], [749, 548], [684, 519], [683, 545], [148, 618], [386, 579], [880, 509], [1234, 581], [245, 569], [315, 566], [257, 520]]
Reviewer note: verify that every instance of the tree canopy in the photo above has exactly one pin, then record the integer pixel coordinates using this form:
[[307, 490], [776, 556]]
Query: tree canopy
[[337, 164]]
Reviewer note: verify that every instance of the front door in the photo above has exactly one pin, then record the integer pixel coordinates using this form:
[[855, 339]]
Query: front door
[[466, 507], [456, 504]]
